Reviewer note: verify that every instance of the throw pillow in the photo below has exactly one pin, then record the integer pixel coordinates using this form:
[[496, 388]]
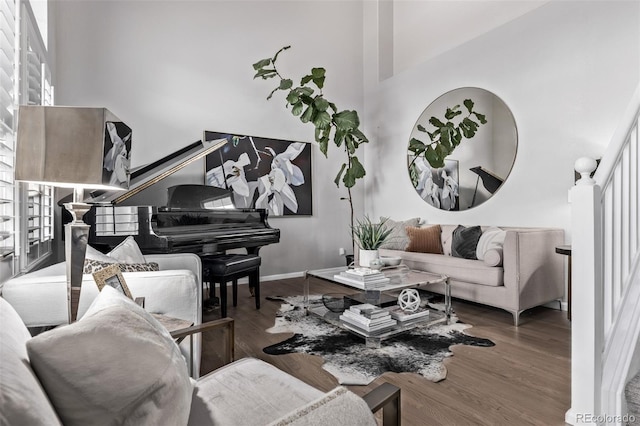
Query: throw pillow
[[492, 238], [424, 240], [493, 257], [91, 266], [398, 238], [447, 238], [465, 241], [127, 251], [94, 254], [117, 365]]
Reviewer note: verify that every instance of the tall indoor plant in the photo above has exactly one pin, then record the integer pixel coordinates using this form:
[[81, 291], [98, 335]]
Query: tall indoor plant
[[307, 101]]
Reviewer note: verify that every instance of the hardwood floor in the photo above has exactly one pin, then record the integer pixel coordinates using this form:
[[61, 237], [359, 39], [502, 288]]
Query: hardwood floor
[[523, 380]]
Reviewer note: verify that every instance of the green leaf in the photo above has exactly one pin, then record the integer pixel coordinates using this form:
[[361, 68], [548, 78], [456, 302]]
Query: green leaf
[[359, 136], [421, 128], [468, 127], [272, 92], [307, 115], [324, 146], [338, 138], [265, 73], [320, 103], [469, 104], [319, 82], [304, 80], [286, 84], [293, 97], [337, 179], [333, 107], [346, 120], [481, 117], [457, 137], [452, 112], [433, 158], [349, 144], [297, 108], [356, 171], [318, 72], [262, 63], [322, 120], [416, 145], [304, 91], [435, 122], [275, 57]]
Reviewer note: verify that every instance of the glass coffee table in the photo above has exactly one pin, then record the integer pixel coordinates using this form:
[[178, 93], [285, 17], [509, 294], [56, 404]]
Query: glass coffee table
[[401, 277]]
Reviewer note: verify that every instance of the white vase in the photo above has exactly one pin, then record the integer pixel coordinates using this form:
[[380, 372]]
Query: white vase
[[367, 256]]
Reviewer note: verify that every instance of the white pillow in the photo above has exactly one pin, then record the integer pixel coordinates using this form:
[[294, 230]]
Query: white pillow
[[117, 365], [127, 251], [493, 257], [93, 254], [492, 238]]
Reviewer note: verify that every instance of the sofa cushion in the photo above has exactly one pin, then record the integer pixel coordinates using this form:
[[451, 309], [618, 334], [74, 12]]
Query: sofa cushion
[[117, 365], [446, 236], [458, 269], [465, 241], [424, 240], [221, 396], [398, 238], [22, 399], [337, 407]]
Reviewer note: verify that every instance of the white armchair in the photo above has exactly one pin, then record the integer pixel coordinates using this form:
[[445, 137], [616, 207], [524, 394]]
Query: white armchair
[[40, 297]]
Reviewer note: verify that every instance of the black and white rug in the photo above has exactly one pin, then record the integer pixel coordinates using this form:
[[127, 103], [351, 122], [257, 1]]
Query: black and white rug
[[347, 358]]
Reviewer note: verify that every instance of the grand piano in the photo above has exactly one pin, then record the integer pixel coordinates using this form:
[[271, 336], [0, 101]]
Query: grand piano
[[197, 218]]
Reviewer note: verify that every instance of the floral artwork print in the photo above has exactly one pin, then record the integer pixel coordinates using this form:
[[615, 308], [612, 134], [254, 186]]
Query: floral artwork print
[[262, 173], [438, 187]]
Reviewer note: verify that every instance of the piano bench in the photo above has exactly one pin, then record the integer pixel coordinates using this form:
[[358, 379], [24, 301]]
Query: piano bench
[[222, 268]]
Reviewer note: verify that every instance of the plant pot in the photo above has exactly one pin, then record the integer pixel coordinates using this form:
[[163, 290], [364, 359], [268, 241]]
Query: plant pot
[[366, 256]]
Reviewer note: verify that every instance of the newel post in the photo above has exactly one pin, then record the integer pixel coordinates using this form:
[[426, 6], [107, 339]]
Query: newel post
[[587, 329]]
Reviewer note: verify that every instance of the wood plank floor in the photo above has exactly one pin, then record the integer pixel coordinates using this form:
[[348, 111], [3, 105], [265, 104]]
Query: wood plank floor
[[523, 380]]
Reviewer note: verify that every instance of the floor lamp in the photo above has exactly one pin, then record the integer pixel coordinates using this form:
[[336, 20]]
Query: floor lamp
[[490, 181], [78, 148]]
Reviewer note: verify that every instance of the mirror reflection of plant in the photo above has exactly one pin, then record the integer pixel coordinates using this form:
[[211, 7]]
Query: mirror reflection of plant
[[448, 135], [369, 235], [330, 124]]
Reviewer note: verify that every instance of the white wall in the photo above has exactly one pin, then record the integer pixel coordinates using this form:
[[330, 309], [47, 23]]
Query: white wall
[[172, 69], [566, 70]]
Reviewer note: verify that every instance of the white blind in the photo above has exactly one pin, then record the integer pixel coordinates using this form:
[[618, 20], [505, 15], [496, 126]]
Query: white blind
[[7, 107]]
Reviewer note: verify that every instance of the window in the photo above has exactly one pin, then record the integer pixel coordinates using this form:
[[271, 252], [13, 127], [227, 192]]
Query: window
[[35, 226], [7, 107]]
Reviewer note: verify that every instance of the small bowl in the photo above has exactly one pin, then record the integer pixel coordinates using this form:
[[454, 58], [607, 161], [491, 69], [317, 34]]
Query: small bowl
[[334, 302], [390, 260]]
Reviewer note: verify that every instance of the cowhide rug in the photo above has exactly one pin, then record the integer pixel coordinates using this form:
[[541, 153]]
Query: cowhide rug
[[347, 358]]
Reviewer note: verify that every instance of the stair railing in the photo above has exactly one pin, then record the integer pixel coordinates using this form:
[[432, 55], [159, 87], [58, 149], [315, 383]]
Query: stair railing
[[605, 242]]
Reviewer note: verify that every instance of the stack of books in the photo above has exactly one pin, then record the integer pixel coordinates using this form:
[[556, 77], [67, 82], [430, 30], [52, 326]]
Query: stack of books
[[363, 278], [404, 316], [367, 318]]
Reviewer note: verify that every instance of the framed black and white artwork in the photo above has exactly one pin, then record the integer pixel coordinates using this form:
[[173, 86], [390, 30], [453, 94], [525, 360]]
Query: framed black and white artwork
[[263, 173], [438, 187]]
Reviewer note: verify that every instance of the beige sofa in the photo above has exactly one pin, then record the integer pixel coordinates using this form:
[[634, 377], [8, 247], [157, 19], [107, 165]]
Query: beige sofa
[[531, 273]]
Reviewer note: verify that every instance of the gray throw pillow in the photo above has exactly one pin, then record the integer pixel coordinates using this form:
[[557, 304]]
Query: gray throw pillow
[[465, 242], [398, 238]]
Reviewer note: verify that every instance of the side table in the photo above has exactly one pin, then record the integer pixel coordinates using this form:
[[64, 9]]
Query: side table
[[566, 250]]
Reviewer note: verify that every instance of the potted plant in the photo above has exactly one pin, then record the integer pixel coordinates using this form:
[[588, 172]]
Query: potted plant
[[311, 106], [369, 237]]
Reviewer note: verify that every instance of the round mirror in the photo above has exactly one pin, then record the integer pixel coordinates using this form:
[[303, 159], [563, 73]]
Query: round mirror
[[462, 149]]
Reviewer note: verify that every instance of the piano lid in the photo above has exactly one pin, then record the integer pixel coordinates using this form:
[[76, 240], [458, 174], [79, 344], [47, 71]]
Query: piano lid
[[146, 176]]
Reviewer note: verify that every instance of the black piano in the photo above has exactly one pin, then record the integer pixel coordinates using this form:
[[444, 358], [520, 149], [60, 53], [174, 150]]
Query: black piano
[[197, 218]]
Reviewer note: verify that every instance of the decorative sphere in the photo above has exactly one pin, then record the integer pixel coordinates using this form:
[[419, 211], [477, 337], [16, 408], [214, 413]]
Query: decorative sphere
[[376, 264], [409, 300]]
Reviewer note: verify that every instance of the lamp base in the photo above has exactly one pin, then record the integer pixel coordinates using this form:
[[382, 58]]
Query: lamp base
[[76, 236]]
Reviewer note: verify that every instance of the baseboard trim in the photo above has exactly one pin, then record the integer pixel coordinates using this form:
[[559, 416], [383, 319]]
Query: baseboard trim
[[272, 277]]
